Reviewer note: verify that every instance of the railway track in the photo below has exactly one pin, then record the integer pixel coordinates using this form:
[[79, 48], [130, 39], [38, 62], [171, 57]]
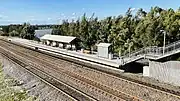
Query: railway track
[[70, 93], [96, 87], [116, 74], [162, 90], [62, 94]]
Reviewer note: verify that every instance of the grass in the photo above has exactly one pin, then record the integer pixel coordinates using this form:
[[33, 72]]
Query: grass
[[8, 91]]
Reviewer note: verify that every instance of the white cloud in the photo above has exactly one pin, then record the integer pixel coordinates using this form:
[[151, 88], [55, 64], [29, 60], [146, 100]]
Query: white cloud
[[73, 17], [73, 13], [62, 14], [3, 16], [83, 9], [49, 18], [9, 20], [2, 12], [31, 16], [132, 9], [32, 19]]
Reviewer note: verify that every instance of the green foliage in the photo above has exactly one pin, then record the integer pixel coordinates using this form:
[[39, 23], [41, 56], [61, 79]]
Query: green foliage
[[14, 33], [126, 33], [27, 31], [7, 91], [24, 31], [2, 33]]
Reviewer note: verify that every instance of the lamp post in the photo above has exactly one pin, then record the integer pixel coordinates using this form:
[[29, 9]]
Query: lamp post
[[129, 51], [131, 44], [120, 53], [164, 43]]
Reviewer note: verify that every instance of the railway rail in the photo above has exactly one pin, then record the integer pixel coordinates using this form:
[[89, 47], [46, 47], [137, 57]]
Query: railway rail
[[63, 94], [142, 84], [98, 88], [70, 93], [105, 71]]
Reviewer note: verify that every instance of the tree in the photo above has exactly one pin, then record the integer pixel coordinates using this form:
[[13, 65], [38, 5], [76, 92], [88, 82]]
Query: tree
[[126, 33], [64, 28], [93, 32], [84, 32], [147, 32], [2, 33], [27, 31], [104, 29], [14, 33]]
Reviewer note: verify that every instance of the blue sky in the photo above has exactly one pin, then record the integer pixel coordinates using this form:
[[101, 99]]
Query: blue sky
[[53, 11]]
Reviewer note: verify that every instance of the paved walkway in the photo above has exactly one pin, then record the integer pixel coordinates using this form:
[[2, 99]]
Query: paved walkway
[[91, 57]]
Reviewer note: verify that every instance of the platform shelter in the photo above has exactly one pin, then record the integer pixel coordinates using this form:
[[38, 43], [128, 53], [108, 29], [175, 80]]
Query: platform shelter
[[69, 42]]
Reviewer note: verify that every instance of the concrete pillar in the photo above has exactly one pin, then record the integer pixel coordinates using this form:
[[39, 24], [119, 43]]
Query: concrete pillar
[[146, 71], [110, 56]]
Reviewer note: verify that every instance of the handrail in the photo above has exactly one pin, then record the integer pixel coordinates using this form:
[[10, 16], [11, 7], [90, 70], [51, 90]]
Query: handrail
[[173, 43], [152, 51], [152, 47]]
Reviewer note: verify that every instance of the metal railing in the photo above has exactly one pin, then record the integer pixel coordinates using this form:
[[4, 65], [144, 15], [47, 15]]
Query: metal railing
[[172, 48], [152, 51]]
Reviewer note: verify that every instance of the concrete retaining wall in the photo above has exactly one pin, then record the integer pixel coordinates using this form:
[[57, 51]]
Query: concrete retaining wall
[[168, 72]]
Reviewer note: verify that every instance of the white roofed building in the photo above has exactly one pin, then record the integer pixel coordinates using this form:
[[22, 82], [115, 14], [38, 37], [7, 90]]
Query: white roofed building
[[67, 41], [58, 38]]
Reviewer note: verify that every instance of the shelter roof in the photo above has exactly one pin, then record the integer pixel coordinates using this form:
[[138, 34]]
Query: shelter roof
[[58, 38]]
